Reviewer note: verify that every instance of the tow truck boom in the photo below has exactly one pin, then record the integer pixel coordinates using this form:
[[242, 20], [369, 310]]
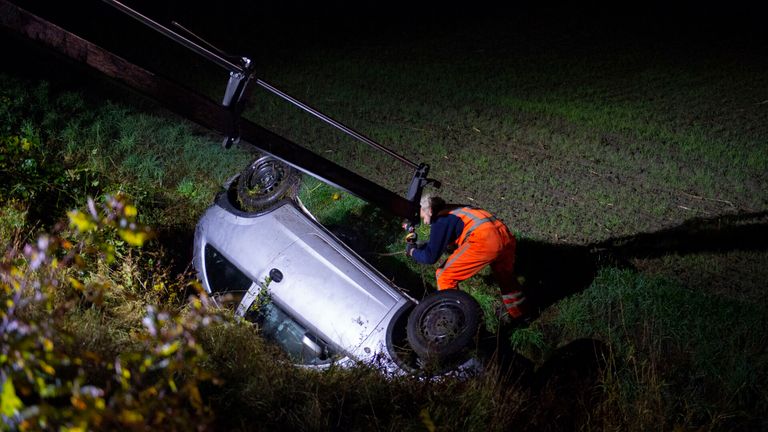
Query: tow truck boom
[[224, 117]]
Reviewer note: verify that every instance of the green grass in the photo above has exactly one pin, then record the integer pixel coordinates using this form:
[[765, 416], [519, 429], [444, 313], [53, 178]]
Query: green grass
[[283, 397], [647, 125], [677, 348], [153, 158], [329, 205]]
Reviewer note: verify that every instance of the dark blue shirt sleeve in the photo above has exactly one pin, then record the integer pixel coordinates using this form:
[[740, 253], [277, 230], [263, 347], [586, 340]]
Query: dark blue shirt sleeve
[[444, 230]]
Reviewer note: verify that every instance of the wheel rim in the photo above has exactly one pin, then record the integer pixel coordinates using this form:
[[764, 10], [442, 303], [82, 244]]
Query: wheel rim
[[264, 178], [442, 323]]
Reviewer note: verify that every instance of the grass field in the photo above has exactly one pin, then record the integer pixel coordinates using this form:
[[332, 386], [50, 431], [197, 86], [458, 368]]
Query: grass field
[[633, 172]]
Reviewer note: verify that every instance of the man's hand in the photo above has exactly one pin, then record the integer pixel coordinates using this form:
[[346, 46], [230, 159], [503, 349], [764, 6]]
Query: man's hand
[[409, 247], [411, 237]]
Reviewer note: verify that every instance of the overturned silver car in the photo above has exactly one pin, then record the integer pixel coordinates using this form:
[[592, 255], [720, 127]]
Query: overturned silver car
[[313, 295]]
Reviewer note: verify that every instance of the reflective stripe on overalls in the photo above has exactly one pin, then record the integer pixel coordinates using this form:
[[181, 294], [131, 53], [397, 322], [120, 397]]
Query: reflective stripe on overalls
[[475, 217], [513, 300], [477, 220], [483, 241]]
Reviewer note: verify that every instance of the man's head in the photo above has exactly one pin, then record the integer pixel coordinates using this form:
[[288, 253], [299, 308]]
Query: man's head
[[430, 205]]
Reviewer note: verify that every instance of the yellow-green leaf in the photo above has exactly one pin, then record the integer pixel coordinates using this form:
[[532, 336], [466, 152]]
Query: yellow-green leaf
[[9, 402], [130, 416], [48, 369], [133, 238], [426, 420], [76, 284], [195, 398], [130, 211], [80, 220], [169, 349]]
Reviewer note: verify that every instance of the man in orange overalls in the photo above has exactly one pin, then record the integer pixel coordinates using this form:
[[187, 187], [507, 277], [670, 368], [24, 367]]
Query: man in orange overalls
[[477, 239]]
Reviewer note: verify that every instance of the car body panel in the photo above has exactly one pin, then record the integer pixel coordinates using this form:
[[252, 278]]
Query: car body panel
[[324, 285]]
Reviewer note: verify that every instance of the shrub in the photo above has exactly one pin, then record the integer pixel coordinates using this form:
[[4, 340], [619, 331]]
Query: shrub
[[49, 382]]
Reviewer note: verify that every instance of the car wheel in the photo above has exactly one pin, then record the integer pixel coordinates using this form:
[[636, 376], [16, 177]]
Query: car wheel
[[264, 182], [444, 325]]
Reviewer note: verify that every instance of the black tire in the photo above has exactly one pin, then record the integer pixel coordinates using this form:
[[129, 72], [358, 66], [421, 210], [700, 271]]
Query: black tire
[[443, 326], [264, 182]]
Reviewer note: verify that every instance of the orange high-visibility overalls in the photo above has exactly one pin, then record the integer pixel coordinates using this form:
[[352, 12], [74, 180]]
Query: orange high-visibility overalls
[[484, 240]]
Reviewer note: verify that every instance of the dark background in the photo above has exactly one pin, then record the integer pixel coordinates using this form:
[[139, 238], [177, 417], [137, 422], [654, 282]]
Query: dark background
[[264, 29], [276, 31]]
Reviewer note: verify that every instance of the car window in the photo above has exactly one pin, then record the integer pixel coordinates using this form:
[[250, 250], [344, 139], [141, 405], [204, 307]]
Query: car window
[[275, 325], [223, 277], [278, 327]]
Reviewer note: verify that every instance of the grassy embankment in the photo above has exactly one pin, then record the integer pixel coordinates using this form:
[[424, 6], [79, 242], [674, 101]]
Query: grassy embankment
[[579, 160]]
